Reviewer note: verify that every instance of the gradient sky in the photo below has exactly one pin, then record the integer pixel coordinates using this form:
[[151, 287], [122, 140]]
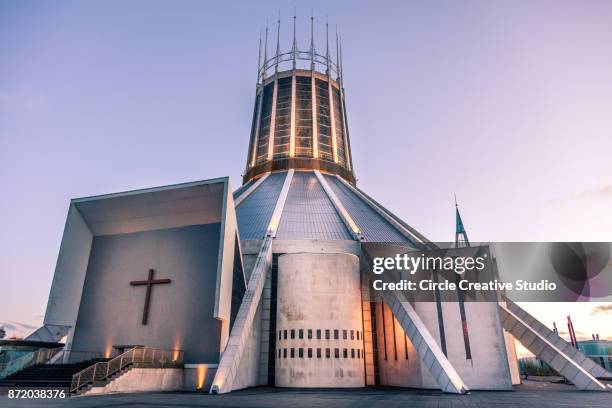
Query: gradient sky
[[507, 104]]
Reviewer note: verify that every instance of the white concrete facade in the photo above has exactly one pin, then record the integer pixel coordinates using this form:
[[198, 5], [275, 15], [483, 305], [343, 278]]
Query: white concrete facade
[[319, 330], [142, 380]]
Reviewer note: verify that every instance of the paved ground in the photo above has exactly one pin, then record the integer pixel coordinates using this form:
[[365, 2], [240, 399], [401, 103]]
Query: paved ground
[[531, 394]]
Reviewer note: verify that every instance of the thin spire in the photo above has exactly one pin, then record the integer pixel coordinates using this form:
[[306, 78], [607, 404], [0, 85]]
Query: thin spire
[[340, 68], [277, 42], [337, 55], [295, 48], [312, 47], [327, 46], [259, 58], [265, 59], [461, 238]]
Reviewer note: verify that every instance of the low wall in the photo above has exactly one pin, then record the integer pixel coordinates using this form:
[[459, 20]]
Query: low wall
[[143, 380]]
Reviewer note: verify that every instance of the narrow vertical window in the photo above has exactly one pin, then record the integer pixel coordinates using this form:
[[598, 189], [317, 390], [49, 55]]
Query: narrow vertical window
[[352, 334], [318, 353], [344, 334], [309, 334], [318, 334], [327, 334], [336, 334], [382, 306], [394, 338], [345, 353], [337, 353], [292, 352], [293, 333], [309, 352], [327, 353], [301, 333], [301, 352], [352, 353], [285, 353], [285, 334]]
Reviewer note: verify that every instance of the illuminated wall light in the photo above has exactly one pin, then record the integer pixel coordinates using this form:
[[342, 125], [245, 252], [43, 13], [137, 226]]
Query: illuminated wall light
[[202, 369], [108, 350], [176, 349]]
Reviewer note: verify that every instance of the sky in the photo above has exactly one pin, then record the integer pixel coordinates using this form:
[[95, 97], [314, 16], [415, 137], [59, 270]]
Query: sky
[[508, 104]]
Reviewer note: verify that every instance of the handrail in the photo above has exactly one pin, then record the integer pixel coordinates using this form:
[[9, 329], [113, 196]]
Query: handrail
[[145, 356], [35, 357]]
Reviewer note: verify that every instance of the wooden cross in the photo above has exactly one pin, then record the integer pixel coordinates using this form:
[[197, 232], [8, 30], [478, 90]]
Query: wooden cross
[[149, 283]]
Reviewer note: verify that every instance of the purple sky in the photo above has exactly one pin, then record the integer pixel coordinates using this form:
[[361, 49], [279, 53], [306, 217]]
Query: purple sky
[[508, 104]]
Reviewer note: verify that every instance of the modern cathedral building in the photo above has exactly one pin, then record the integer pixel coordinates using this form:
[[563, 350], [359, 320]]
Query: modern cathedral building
[[192, 286]]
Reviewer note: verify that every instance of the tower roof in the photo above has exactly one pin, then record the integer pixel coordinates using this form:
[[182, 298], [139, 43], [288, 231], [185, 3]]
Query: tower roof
[[299, 115]]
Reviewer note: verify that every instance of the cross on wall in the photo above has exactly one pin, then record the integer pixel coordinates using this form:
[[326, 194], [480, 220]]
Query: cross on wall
[[149, 284]]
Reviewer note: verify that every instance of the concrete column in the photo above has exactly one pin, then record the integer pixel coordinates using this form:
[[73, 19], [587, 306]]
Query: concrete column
[[260, 92], [332, 119], [272, 120], [347, 147], [293, 129], [319, 292], [315, 126]]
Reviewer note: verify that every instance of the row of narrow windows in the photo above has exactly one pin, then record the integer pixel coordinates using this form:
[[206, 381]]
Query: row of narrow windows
[[282, 334], [355, 353]]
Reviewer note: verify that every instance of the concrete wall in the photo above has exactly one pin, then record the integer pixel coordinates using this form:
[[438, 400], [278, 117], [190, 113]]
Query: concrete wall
[[488, 368], [319, 291], [398, 361], [143, 380], [198, 376], [181, 312], [70, 270], [515, 373]]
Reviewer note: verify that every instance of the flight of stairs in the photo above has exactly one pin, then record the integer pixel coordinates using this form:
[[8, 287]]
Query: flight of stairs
[[45, 376]]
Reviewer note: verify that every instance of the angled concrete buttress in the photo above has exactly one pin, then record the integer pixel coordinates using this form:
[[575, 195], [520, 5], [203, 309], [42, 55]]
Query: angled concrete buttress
[[572, 352], [428, 349], [550, 348], [243, 325]]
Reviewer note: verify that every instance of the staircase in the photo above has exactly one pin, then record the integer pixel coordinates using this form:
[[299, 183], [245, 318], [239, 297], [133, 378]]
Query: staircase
[[47, 376], [102, 372], [552, 349]]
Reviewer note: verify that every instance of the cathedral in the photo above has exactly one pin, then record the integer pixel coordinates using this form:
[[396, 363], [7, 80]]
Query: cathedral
[[198, 286]]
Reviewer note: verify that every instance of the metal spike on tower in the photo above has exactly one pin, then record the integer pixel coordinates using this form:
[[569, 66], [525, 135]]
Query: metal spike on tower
[[299, 119]]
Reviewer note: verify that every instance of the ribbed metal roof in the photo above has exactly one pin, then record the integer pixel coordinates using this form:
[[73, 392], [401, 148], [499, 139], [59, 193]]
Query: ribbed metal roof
[[373, 227], [255, 211], [309, 213], [243, 188]]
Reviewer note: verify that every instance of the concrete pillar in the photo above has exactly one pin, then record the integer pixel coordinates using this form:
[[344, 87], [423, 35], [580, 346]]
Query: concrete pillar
[[319, 293]]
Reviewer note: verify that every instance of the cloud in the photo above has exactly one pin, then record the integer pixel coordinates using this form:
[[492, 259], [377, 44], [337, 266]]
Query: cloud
[[603, 192], [603, 309]]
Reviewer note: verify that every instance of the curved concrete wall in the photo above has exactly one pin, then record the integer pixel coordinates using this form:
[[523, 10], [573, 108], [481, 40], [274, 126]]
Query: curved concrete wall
[[319, 295]]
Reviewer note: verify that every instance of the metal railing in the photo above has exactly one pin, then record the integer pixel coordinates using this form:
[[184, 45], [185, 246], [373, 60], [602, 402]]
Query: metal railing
[[35, 357], [137, 356], [46, 356]]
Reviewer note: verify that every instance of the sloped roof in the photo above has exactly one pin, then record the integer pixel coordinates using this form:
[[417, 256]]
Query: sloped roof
[[309, 212]]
